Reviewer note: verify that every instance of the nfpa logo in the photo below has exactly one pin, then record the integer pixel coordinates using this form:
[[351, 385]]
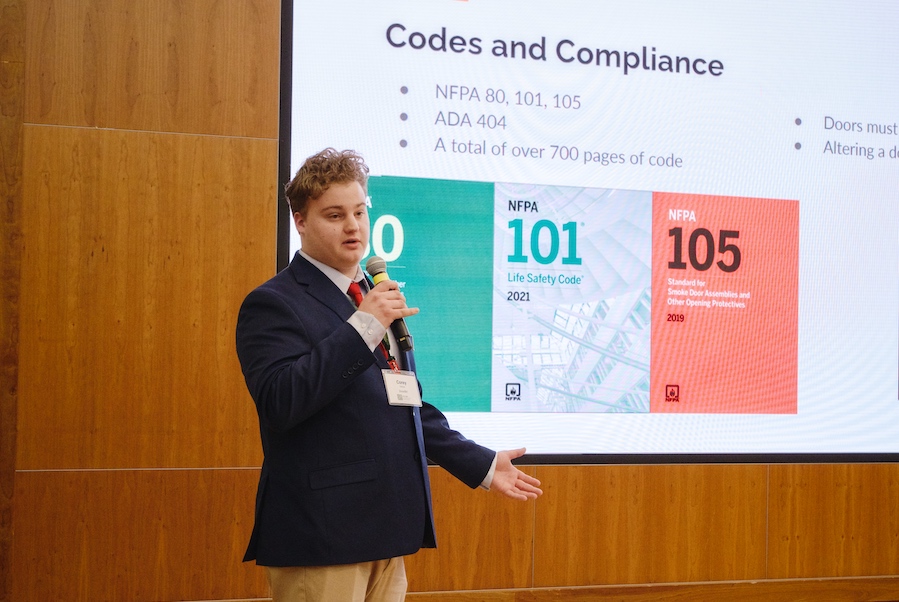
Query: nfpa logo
[[672, 394], [513, 391]]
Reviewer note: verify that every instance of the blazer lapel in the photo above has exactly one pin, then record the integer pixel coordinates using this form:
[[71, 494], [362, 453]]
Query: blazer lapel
[[320, 287]]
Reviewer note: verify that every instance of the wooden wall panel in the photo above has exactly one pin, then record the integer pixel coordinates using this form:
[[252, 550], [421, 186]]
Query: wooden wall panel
[[484, 540], [197, 66], [649, 524], [139, 249], [834, 520], [134, 535], [12, 94]]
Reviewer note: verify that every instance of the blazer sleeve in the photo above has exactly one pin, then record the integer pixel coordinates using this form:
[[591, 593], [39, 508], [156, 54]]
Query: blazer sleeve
[[461, 457], [290, 371]]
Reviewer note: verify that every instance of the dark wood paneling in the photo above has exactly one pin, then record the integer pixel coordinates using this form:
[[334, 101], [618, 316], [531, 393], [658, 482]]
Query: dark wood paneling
[[134, 535], [201, 66], [139, 250], [834, 520], [649, 524], [12, 94], [485, 540], [12, 46]]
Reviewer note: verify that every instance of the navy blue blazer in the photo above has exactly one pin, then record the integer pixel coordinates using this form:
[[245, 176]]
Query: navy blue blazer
[[344, 477]]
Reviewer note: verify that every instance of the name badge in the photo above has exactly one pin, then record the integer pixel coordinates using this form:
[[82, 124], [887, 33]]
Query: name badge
[[402, 388]]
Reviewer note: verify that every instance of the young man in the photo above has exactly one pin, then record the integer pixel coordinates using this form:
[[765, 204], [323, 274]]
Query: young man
[[344, 490]]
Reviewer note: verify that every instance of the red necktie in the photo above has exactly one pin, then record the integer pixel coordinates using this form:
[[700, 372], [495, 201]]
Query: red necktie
[[355, 293]]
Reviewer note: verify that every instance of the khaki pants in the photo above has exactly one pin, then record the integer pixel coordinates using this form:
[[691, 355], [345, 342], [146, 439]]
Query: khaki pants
[[376, 581]]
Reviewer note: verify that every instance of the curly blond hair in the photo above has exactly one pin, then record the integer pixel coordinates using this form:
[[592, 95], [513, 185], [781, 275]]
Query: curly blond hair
[[320, 171]]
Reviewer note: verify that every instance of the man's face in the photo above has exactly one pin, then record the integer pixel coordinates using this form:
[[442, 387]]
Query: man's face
[[335, 228]]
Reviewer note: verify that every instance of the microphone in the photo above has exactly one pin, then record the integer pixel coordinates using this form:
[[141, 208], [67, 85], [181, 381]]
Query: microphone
[[377, 268]]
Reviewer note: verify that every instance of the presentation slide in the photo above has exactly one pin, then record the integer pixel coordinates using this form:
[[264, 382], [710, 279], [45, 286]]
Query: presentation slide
[[632, 228]]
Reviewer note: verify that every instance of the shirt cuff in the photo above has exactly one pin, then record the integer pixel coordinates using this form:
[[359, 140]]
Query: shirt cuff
[[368, 327], [488, 480]]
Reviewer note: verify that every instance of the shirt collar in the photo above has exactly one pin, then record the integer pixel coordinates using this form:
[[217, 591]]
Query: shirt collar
[[335, 276]]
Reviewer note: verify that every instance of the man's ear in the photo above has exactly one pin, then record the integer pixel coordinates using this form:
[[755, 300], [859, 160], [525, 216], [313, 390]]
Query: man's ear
[[299, 221]]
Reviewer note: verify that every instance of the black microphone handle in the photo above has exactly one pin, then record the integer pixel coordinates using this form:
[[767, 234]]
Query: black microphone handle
[[401, 334]]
